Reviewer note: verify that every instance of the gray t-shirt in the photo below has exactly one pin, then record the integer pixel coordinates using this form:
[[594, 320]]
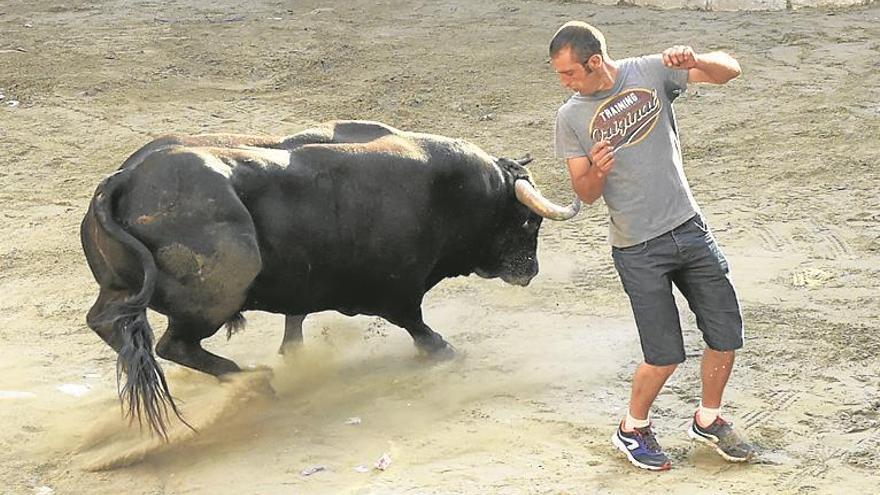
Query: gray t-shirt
[[646, 192]]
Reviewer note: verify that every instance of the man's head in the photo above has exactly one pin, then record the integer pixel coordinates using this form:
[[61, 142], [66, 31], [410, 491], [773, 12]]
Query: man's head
[[579, 55]]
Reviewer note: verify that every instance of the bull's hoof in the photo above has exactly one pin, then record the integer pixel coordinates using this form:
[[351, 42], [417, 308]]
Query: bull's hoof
[[291, 347], [257, 379], [192, 355], [442, 352]]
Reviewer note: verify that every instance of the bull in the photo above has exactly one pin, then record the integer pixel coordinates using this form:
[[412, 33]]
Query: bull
[[352, 216]]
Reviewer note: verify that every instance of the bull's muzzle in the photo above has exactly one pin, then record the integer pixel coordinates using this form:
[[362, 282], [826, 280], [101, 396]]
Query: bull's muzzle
[[535, 201]]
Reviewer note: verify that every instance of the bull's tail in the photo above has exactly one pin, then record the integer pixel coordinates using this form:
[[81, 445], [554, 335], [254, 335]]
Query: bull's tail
[[144, 394]]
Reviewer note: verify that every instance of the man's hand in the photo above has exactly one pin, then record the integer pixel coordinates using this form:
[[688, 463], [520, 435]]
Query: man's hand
[[679, 57], [602, 158]]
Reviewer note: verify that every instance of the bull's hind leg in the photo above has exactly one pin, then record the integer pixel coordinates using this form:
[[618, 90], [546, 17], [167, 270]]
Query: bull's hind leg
[[204, 243], [182, 343], [197, 306], [201, 292]]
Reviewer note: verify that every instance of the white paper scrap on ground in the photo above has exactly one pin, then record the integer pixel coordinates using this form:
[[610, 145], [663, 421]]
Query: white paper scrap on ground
[[74, 389], [383, 462], [312, 470], [14, 394]]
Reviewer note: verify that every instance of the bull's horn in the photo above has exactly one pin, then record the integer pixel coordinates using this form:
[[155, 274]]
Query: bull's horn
[[524, 160], [529, 196]]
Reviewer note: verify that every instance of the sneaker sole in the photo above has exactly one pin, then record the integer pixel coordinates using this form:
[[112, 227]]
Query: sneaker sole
[[621, 447], [727, 457]]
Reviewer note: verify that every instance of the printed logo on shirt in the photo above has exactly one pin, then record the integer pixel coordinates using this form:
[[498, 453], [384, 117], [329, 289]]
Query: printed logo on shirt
[[626, 118]]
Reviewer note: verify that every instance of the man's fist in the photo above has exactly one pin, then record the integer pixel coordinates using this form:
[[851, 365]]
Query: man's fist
[[602, 157], [679, 57]]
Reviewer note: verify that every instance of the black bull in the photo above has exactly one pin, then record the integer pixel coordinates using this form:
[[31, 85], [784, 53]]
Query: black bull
[[356, 217]]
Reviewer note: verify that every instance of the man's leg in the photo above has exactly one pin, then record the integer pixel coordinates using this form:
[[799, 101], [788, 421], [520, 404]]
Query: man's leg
[[635, 435], [705, 283], [645, 275], [708, 426], [704, 280], [715, 369], [644, 272], [647, 382]]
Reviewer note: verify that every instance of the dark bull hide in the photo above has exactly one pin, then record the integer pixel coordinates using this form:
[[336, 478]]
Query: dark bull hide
[[356, 217]]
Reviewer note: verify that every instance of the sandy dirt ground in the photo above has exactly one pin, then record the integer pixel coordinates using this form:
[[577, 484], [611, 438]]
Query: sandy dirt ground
[[783, 160]]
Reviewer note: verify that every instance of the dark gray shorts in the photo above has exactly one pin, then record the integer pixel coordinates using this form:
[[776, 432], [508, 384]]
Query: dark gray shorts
[[688, 257]]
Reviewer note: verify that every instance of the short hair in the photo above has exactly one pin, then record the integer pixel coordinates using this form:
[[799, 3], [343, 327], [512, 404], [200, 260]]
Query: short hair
[[583, 39]]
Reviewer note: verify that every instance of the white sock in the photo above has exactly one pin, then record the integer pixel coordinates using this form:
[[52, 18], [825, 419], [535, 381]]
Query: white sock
[[630, 422], [706, 416]]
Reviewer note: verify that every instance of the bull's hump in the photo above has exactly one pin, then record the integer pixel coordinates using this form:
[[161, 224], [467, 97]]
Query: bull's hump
[[359, 131], [247, 154], [224, 140], [398, 146]]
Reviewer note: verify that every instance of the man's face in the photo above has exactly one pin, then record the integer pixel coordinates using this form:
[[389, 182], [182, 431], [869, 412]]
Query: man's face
[[576, 74]]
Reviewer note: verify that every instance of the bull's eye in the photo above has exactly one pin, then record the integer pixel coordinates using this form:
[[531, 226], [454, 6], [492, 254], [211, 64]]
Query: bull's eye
[[525, 224]]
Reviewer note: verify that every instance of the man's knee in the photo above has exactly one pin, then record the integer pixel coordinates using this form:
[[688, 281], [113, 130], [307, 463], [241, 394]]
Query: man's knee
[[725, 340], [661, 370]]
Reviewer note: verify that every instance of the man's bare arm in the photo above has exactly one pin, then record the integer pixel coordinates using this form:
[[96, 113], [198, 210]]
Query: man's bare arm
[[588, 173], [712, 67]]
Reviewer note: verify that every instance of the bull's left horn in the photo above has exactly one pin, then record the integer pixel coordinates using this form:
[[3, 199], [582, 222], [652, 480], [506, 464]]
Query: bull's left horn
[[529, 196], [524, 160]]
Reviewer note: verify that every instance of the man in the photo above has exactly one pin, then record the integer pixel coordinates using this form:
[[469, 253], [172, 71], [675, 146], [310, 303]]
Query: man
[[619, 138]]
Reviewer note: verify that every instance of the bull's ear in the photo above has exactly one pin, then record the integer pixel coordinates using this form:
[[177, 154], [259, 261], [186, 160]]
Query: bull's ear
[[525, 160]]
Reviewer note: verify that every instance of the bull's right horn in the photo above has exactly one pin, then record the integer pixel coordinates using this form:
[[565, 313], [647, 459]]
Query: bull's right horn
[[529, 196]]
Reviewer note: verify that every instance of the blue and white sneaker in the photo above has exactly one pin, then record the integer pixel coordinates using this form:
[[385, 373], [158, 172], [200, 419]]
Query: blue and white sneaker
[[641, 448]]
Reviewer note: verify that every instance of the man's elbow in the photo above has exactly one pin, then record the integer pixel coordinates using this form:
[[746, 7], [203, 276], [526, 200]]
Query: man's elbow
[[720, 68], [735, 71]]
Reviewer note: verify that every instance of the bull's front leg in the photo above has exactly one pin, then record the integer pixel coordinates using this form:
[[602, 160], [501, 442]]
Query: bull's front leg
[[293, 333], [427, 341]]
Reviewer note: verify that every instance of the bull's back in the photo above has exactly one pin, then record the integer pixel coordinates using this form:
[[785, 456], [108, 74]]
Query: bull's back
[[328, 228], [387, 195], [349, 221], [226, 141]]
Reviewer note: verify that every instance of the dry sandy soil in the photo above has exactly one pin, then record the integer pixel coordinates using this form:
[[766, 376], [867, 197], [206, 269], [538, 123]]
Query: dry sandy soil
[[784, 161]]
